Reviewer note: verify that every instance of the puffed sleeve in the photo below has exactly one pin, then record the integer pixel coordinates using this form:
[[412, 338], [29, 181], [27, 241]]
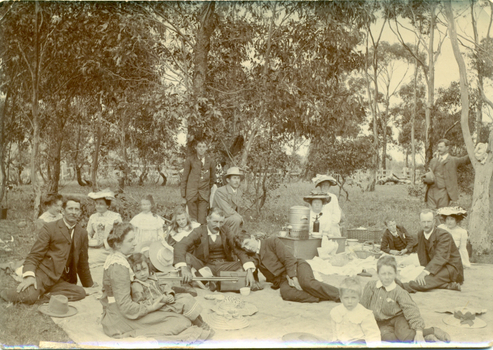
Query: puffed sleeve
[[120, 284], [371, 330], [89, 228]]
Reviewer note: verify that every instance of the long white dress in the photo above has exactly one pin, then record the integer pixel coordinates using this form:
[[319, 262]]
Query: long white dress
[[460, 238], [149, 227]]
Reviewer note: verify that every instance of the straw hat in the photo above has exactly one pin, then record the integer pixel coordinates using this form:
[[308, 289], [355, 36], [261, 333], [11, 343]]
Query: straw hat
[[216, 321], [58, 307], [322, 178], [233, 305], [161, 256], [234, 170], [301, 337], [106, 194], [465, 318], [458, 212], [317, 195]]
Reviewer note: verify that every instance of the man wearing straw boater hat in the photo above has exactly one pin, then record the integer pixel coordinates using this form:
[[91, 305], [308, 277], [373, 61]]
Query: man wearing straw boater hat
[[57, 257], [228, 198]]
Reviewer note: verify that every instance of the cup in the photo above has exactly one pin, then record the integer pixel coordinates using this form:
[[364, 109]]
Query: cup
[[283, 233], [245, 291]]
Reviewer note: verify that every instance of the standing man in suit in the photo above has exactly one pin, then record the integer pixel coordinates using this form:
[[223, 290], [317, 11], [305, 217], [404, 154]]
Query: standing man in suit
[[228, 198], [199, 175], [443, 188], [212, 247], [439, 255], [294, 277], [57, 257]]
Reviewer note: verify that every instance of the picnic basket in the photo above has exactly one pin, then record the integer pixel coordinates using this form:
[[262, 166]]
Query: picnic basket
[[365, 235]]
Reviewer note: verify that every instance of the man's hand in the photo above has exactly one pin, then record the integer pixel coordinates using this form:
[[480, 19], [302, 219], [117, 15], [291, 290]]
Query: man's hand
[[26, 282], [293, 282], [249, 279], [186, 274], [184, 200], [419, 338], [421, 279], [403, 251], [394, 252]]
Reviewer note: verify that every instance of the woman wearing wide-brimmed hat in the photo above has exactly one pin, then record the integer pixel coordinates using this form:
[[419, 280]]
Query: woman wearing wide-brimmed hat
[[453, 216], [318, 200], [228, 198], [332, 211], [101, 222]]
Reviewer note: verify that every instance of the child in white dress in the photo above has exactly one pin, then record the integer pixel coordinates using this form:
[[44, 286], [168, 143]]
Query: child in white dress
[[148, 226], [352, 323]]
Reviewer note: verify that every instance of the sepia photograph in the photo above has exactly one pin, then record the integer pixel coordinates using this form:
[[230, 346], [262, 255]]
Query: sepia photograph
[[246, 174]]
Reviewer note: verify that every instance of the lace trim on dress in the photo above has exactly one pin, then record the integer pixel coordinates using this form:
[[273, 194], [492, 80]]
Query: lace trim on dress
[[118, 258]]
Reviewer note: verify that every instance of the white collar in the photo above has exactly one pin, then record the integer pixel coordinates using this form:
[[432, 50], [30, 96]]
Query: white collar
[[258, 250], [232, 189], [211, 234], [444, 156], [68, 226], [396, 234], [391, 287], [427, 235]]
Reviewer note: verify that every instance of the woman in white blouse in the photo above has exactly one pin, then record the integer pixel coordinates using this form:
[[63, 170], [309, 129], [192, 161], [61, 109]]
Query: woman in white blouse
[[332, 211], [101, 223], [148, 225], [317, 201], [453, 216]]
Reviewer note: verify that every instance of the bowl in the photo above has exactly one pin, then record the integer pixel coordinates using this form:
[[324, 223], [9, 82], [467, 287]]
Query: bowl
[[245, 291], [283, 233]]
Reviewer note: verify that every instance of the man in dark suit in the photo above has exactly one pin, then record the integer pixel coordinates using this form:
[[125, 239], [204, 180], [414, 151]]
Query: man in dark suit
[[443, 188], [57, 257], [294, 277], [396, 240], [199, 175], [212, 247], [439, 255]]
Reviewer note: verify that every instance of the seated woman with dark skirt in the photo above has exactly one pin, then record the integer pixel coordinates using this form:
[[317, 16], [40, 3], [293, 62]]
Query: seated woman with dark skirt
[[123, 317]]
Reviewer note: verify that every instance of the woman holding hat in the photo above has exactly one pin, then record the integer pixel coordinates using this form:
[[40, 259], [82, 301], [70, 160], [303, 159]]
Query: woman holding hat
[[123, 317], [101, 222], [317, 201], [331, 210], [453, 216]]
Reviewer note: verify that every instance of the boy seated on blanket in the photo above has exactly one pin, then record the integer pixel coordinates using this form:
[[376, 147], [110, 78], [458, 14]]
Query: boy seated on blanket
[[146, 289], [397, 314]]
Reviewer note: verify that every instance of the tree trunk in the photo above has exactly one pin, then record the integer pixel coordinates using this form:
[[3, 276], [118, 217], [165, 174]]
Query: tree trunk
[[54, 178], [3, 178], [95, 156], [413, 119], [479, 111], [480, 220], [431, 87], [35, 118]]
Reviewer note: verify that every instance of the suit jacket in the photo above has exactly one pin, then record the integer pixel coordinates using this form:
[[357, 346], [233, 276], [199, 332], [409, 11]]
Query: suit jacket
[[450, 164], [388, 240], [276, 258], [191, 182], [199, 240], [443, 253], [226, 199], [51, 251]]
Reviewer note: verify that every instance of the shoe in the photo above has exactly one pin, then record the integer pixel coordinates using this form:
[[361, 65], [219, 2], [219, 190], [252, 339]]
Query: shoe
[[256, 287], [431, 338], [441, 334], [454, 286]]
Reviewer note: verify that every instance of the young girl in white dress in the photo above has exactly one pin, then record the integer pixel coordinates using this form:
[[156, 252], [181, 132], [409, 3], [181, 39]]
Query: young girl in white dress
[[148, 225], [181, 226]]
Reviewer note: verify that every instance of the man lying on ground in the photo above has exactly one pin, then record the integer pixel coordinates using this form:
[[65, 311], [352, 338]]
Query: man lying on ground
[[439, 255], [294, 277], [57, 257], [212, 247], [396, 240]]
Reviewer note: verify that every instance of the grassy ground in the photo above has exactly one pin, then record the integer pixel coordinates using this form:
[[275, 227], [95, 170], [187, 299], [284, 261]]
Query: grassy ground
[[25, 325]]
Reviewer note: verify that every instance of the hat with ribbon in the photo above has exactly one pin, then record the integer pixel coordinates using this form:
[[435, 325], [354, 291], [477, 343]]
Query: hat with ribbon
[[319, 179], [458, 212], [103, 194], [161, 256], [465, 317], [234, 170], [58, 307], [325, 197]]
